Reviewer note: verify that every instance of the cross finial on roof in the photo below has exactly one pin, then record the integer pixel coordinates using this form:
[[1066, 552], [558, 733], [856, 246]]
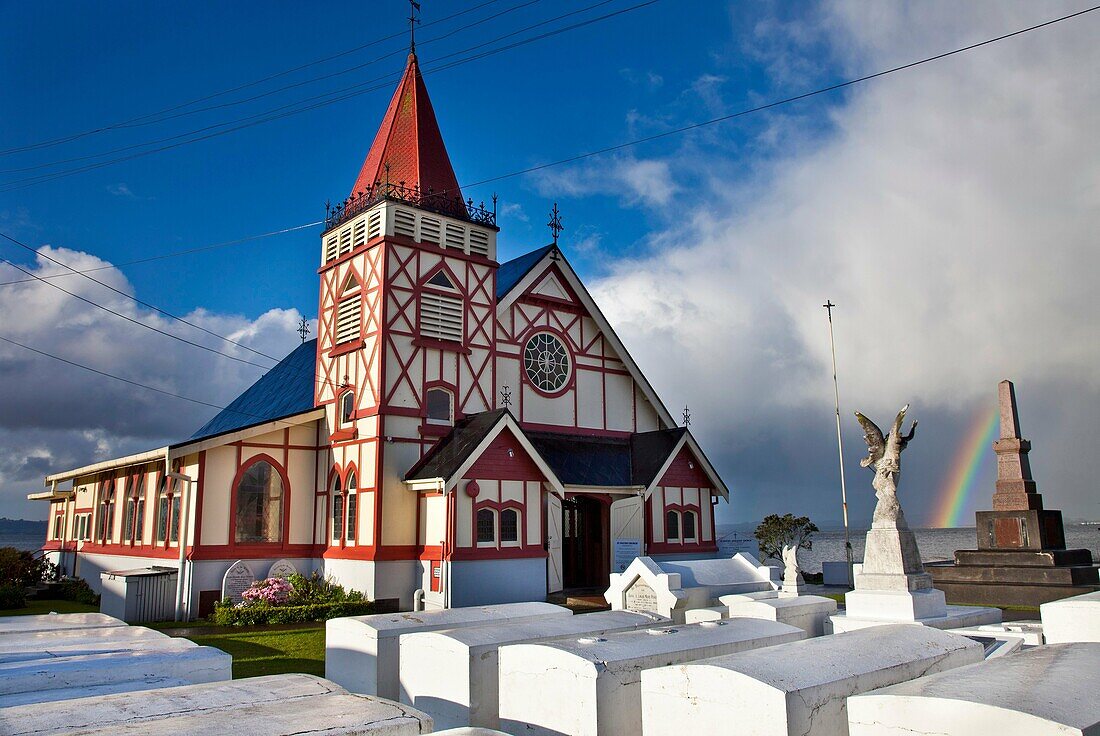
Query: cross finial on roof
[[687, 416], [505, 396], [303, 328], [414, 9], [555, 223], [829, 307]]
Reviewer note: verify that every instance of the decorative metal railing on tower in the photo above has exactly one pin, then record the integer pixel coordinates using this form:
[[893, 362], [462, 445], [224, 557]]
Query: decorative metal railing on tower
[[438, 202]]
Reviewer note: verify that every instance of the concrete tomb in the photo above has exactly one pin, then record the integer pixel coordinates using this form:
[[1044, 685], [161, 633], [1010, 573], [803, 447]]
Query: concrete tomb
[[452, 674], [1038, 692], [1072, 619], [671, 587], [40, 640], [362, 653], [63, 648], [590, 686], [279, 705], [19, 625], [1021, 557], [892, 586], [792, 689], [808, 612], [42, 679], [238, 578]]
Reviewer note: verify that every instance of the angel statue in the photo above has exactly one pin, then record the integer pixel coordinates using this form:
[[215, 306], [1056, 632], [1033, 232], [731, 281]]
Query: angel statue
[[792, 573], [884, 458]]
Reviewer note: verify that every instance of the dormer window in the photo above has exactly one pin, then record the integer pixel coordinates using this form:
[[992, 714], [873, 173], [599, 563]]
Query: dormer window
[[439, 403], [441, 309]]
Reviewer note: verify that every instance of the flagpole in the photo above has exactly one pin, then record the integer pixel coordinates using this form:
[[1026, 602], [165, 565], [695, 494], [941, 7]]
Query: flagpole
[[828, 305]]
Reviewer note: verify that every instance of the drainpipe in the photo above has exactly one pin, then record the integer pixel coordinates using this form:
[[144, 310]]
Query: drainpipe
[[185, 515]]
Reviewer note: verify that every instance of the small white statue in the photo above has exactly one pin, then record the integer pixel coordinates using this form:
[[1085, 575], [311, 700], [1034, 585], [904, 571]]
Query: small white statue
[[792, 573]]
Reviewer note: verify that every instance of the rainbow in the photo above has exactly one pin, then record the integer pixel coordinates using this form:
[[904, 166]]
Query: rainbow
[[965, 469]]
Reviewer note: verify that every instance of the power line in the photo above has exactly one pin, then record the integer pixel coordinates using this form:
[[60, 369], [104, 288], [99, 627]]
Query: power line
[[261, 95], [112, 126], [273, 114]]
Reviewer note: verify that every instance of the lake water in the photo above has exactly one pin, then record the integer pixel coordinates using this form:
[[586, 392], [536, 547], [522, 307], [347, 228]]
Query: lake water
[[28, 542], [935, 544]]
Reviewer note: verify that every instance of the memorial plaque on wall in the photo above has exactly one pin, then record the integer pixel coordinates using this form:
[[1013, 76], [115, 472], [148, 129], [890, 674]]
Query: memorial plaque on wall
[[640, 597], [626, 551], [282, 569], [238, 578]]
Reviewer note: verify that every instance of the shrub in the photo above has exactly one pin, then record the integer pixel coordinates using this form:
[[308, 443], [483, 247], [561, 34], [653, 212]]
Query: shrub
[[319, 589], [226, 613], [12, 596], [272, 591], [70, 589], [20, 568]]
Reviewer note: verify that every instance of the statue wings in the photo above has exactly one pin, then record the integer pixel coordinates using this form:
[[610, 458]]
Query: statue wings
[[876, 444]]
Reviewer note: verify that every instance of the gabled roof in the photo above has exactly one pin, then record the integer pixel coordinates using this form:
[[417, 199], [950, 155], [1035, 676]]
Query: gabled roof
[[510, 272], [447, 455], [586, 461], [409, 142], [650, 450], [285, 390]]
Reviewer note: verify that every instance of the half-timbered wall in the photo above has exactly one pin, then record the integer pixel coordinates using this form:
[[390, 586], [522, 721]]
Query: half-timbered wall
[[683, 490], [600, 395]]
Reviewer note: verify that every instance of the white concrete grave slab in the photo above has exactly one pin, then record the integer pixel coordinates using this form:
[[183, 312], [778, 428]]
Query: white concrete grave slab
[[591, 686], [332, 714], [808, 612], [792, 689], [1042, 691], [124, 709], [66, 648], [50, 698], [922, 607], [712, 613], [470, 731], [1072, 619], [670, 587], [195, 664], [39, 640], [56, 622], [362, 654], [452, 674]]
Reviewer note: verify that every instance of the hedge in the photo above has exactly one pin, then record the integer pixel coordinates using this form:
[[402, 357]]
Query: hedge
[[256, 614]]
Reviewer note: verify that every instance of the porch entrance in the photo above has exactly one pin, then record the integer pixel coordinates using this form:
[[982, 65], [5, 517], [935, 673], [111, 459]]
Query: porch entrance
[[584, 543]]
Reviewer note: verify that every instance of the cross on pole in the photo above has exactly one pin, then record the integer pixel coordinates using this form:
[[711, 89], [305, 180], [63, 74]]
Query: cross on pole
[[303, 328], [505, 396], [828, 305], [687, 416], [414, 8]]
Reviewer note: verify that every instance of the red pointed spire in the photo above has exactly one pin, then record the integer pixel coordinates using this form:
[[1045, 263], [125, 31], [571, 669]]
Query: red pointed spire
[[409, 142]]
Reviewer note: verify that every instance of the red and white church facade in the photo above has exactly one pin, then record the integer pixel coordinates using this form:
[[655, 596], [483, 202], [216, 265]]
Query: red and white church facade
[[461, 431]]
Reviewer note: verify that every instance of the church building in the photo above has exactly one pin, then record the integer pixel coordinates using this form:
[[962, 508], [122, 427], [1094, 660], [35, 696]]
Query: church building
[[462, 431]]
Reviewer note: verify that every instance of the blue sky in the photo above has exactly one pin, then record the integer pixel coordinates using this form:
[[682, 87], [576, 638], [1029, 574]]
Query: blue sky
[[949, 210]]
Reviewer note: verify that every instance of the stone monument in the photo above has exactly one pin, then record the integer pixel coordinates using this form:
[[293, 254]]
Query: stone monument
[[793, 583], [238, 578], [892, 586], [1021, 557]]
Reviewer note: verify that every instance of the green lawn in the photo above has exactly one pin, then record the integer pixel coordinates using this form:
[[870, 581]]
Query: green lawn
[[258, 652], [38, 607]]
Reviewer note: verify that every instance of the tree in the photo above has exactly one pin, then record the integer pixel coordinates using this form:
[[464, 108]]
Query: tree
[[776, 531]]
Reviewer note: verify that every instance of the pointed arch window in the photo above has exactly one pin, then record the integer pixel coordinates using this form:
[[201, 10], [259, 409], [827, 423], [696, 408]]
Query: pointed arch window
[[672, 526], [509, 527], [168, 511], [689, 526], [106, 513], [58, 526], [353, 519], [134, 521], [259, 505], [346, 408], [337, 510], [486, 528]]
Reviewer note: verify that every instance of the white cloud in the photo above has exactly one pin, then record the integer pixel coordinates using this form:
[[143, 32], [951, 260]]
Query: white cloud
[[645, 182], [951, 213], [514, 211]]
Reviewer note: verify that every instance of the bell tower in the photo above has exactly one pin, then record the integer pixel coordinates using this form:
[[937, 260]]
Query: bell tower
[[406, 323]]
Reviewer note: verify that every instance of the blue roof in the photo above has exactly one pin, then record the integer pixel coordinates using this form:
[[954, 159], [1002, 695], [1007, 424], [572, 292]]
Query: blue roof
[[283, 391], [512, 272]]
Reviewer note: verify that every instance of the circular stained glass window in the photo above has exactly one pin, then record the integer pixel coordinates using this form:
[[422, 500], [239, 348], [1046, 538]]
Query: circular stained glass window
[[546, 361]]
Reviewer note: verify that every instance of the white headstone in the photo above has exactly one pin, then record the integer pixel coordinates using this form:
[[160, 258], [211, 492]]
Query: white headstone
[[362, 653], [641, 597], [1072, 619], [452, 675], [591, 686], [282, 569], [794, 689], [238, 578], [1042, 691]]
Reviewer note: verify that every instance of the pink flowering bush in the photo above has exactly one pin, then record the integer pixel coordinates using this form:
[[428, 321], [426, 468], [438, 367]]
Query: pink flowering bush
[[272, 591]]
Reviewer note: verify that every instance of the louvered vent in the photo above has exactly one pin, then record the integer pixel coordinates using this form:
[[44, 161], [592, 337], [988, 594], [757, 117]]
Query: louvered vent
[[332, 243], [479, 242], [456, 236], [345, 240], [429, 229], [360, 235], [347, 319], [404, 223], [441, 317], [374, 225]]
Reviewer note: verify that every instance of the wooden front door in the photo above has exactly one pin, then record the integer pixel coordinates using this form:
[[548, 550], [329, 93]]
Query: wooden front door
[[584, 549]]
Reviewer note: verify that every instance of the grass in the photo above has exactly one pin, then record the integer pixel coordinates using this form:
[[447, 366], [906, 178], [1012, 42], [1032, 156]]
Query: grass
[[37, 607], [258, 652]]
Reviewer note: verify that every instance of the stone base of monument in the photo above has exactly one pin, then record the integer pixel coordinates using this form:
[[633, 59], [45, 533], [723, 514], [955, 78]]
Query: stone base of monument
[[452, 675], [276, 705], [1074, 619], [1015, 577], [592, 686], [1043, 691], [797, 688], [362, 652], [922, 607], [807, 612]]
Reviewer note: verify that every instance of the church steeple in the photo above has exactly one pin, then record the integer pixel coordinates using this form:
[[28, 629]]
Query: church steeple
[[408, 146]]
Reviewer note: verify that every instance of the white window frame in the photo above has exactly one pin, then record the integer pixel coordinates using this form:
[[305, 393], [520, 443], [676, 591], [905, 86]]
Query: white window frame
[[450, 420], [518, 541]]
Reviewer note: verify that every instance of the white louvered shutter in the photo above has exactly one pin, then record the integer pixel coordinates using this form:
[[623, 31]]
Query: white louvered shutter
[[441, 316], [347, 319]]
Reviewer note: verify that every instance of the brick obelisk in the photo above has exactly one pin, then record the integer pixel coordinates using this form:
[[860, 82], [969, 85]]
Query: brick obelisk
[[1021, 556]]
